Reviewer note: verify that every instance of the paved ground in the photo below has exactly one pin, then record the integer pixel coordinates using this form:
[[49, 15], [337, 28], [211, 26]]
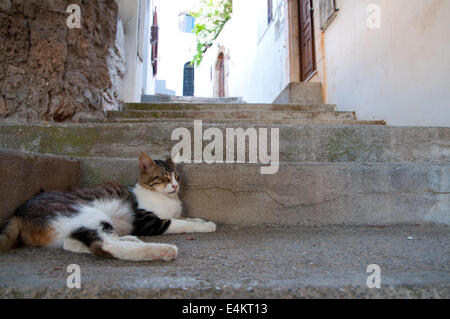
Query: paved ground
[[288, 262]]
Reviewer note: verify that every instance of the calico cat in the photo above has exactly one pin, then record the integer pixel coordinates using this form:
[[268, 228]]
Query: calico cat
[[105, 220]]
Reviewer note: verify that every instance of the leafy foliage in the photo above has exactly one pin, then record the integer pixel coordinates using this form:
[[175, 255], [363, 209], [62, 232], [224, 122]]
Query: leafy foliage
[[210, 19]]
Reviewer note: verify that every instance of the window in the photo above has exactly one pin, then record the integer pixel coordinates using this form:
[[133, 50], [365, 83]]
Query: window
[[269, 11], [328, 12]]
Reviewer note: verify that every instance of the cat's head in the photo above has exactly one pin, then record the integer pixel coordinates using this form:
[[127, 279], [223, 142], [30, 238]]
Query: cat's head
[[159, 176]]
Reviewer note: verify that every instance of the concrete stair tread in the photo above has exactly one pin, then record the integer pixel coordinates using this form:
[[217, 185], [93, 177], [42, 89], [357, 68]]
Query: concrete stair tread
[[229, 106], [255, 262], [231, 121], [249, 114], [188, 99]]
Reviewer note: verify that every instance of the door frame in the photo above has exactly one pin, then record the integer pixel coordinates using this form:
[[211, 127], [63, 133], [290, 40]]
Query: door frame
[[295, 67]]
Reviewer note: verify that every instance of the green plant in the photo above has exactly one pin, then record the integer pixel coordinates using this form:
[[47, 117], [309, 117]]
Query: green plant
[[210, 19]]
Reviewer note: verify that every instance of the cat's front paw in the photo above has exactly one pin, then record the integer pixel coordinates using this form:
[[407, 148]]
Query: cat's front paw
[[209, 227], [169, 252], [195, 220]]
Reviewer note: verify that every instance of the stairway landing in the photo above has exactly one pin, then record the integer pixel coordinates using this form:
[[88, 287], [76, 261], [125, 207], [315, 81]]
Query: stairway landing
[[256, 262]]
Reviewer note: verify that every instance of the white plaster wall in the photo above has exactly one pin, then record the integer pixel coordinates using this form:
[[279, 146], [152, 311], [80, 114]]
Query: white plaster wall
[[400, 72], [175, 47], [136, 79], [256, 53], [148, 81], [205, 73], [128, 12]]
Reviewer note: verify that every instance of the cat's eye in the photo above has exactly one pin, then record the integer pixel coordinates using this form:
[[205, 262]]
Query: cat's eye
[[155, 181]]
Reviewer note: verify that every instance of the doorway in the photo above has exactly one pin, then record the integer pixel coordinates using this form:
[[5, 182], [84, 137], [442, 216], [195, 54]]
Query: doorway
[[306, 36], [302, 60], [220, 71], [188, 79]]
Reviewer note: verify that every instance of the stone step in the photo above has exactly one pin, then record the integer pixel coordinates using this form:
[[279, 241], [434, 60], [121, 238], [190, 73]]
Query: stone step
[[227, 114], [232, 121], [297, 92], [23, 175], [188, 99], [307, 194], [256, 262], [230, 106], [298, 143]]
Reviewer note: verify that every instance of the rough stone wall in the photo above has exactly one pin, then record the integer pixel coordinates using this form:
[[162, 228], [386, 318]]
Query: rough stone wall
[[49, 72], [24, 175], [112, 98]]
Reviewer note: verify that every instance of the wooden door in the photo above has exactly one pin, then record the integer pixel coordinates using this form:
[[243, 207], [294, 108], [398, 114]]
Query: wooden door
[[307, 49], [154, 42]]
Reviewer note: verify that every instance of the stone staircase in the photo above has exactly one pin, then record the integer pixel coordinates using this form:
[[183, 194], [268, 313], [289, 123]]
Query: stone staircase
[[334, 169], [220, 112], [299, 103], [360, 182]]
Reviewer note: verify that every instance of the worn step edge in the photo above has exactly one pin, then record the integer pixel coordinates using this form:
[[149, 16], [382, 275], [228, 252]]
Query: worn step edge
[[230, 114], [195, 289], [243, 120], [187, 99], [298, 143], [229, 106]]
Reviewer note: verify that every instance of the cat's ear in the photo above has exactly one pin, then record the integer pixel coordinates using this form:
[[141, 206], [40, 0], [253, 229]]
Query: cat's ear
[[145, 163], [176, 158], [170, 162]]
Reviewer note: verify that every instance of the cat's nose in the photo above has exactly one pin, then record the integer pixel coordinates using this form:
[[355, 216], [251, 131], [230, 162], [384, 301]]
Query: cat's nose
[[175, 187]]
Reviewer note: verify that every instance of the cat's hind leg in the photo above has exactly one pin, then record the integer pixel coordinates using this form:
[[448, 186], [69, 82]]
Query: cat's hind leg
[[109, 245], [130, 238], [75, 246]]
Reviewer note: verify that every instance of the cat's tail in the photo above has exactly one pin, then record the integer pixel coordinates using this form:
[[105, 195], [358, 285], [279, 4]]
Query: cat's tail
[[9, 234]]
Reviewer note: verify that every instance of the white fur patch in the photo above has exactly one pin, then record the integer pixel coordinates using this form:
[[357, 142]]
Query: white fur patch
[[165, 207], [88, 217], [116, 212], [120, 214]]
